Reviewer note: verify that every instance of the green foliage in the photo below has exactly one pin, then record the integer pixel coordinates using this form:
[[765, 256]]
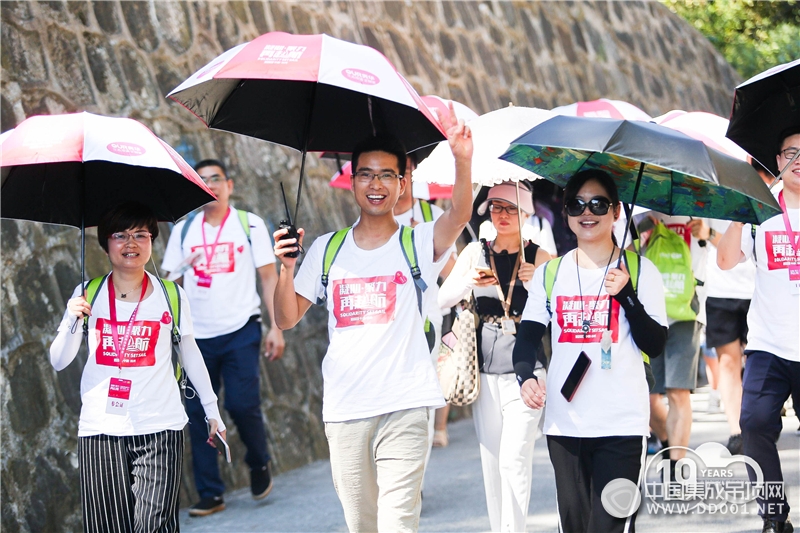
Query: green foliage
[[752, 35]]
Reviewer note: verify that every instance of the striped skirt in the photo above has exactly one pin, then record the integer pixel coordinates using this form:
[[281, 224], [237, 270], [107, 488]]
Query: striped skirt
[[131, 484]]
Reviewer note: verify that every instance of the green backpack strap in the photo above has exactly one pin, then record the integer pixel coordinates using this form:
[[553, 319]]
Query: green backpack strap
[[170, 289], [92, 288], [185, 229], [410, 253], [245, 222], [550, 275], [427, 212], [331, 251]]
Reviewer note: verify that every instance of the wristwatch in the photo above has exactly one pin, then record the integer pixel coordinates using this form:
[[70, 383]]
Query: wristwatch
[[703, 242]]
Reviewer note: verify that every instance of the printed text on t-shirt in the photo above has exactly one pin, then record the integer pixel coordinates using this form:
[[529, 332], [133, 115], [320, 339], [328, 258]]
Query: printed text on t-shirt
[[360, 301], [573, 310], [141, 350], [780, 252], [221, 263]]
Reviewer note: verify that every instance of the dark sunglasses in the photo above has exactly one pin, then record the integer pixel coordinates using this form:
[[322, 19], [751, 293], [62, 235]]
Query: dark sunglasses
[[597, 205]]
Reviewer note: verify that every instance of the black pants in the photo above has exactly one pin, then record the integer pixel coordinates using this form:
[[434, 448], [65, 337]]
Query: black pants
[[768, 382], [131, 484], [583, 467]]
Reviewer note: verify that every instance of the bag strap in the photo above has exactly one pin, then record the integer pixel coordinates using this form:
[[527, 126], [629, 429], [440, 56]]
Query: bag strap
[[92, 288], [170, 289], [427, 212], [185, 229], [240, 214], [550, 275], [410, 253], [331, 251]]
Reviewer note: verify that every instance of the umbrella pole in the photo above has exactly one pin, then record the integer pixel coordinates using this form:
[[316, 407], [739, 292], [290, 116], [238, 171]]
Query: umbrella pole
[[780, 174], [305, 151], [629, 223], [521, 241]]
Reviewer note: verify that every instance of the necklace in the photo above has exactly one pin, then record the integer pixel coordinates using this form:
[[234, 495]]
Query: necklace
[[125, 294], [586, 322]]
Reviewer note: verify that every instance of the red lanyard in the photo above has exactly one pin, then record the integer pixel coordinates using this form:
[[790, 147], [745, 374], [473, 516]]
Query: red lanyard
[[794, 236], [210, 256], [112, 307]]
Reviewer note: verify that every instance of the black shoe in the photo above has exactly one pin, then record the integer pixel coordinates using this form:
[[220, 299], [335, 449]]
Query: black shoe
[[207, 506], [773, 526], [735, 444], [260, 482]]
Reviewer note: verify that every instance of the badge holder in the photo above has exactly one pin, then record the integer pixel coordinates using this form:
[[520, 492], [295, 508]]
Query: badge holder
[[507, 324], [119, 394]]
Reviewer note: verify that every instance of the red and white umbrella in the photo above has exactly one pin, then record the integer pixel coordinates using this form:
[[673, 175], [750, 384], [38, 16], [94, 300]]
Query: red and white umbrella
[[69, 169], [420, 190], [603, 107], [308, 92], [706, 127]]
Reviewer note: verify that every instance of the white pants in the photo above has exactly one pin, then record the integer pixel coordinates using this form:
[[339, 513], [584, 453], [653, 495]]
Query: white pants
[[506, 430], [377, 469]]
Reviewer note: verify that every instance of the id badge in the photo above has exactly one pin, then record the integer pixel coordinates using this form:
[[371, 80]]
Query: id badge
[[119, 394], [794, 272], [508, 326], [605, 350], [203, 287]]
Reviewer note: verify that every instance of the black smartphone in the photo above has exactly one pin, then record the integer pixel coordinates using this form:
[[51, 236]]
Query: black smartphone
[[575, 376], [287, 223]]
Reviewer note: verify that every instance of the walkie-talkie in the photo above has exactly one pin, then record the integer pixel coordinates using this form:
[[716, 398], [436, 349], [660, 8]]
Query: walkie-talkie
[[292, 233]]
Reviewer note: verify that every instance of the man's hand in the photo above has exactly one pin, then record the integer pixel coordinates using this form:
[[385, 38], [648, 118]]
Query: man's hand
[[283, 247], [533, 393], [274, 344], [459, 136]]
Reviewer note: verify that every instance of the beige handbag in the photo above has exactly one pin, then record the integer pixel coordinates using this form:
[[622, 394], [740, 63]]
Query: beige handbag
[[457, 365]]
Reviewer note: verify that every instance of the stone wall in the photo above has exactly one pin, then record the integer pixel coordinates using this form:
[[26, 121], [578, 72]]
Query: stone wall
[[122, 57]]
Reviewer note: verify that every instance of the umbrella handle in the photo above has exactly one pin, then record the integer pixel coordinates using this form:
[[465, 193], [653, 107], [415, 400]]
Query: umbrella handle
[[521, 240], [629, 223]]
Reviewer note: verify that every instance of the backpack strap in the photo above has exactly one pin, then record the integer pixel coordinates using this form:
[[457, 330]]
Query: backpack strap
[[633, 263], [753, 233], [331, 251], [550, 275], [245, 222], [170, 289], [410, 253], [92, 288], [427, 212], [185, 229]]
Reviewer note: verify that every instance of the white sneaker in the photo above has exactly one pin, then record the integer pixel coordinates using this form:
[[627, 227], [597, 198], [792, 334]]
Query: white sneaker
[[714, 404]]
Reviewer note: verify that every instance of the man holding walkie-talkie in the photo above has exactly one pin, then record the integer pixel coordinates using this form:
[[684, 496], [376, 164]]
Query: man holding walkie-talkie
[[220, 252]]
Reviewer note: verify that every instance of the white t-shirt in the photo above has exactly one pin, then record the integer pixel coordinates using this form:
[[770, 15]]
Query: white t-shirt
[[774, 317], [429, 298], [155, 399], [232, 298], [613, 402], [738, 282], [377, 360]]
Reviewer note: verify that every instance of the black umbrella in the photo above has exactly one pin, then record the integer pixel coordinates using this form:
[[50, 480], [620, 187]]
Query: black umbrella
[[763, 107], [70, 169]]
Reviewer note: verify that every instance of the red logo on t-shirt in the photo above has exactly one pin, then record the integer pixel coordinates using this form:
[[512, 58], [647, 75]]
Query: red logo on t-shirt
[[221, 263], [400, 278], [780, 252], [360, 301], [683, 231], [166, 318], [573, 310], [141, 350]]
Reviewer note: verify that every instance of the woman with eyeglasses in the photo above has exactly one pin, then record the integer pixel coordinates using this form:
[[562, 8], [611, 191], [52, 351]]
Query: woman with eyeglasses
[[130, 432], [596, 391], [493, 273]]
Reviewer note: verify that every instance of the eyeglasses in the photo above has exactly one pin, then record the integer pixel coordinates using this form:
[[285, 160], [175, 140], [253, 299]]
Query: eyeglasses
[[138, 237], [213, 179], [597, 205], [362, 176], [789, 152], [497, 209]]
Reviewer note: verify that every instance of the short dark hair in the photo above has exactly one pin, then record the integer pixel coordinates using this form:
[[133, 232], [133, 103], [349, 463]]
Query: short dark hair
[[212, 163], [381, 143], [603, 178], [124, 217], [758, 167], [788, 132]]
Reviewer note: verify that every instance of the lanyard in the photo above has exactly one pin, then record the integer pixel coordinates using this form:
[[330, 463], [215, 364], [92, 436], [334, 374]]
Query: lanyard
[[505, 300], [112, 307], [794, 236], [210, 256]]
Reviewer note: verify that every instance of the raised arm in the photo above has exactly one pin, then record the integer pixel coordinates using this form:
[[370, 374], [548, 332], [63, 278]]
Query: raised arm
[[289, 307], [452, 222], [729, 248]]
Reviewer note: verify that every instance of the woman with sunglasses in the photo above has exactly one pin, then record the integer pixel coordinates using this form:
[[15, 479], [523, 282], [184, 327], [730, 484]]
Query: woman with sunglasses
[[499, 281], [596, 427], [130, 432]]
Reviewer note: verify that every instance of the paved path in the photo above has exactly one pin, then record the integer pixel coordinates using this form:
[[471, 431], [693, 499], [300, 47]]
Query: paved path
[[453, 499]]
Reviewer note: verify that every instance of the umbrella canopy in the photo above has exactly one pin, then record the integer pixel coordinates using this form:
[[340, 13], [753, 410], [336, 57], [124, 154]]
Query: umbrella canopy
[[763, 107], [420, 190], [69, 169], [653, 166], [308, 92], [706, 127], [491, 134], [603, 107]]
